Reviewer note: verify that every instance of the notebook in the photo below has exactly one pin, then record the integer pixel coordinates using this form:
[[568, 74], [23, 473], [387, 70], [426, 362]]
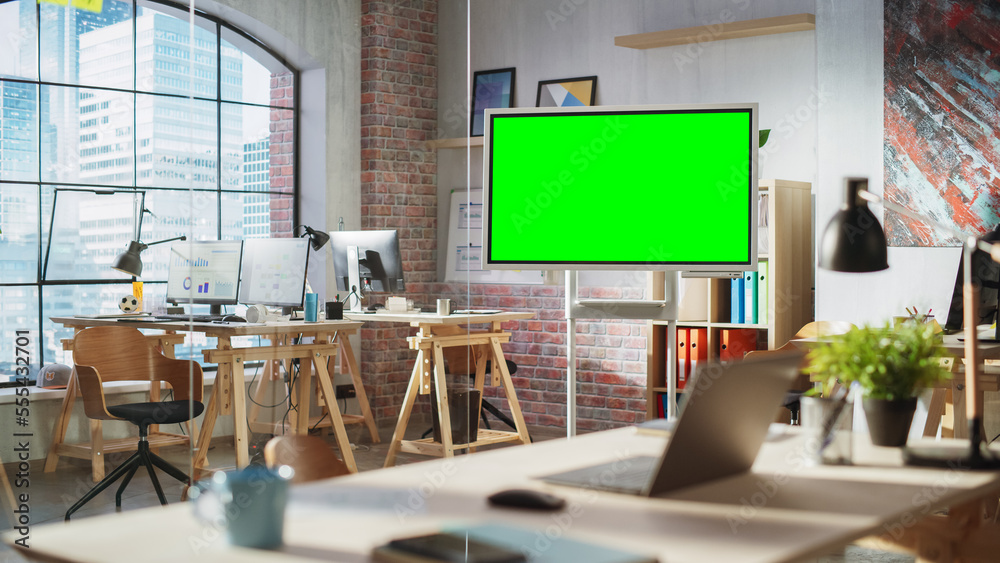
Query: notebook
[[725, 420]]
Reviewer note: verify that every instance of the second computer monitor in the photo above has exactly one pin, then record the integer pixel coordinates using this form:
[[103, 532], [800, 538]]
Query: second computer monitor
[[274, 272], [204, 272], [376, 256]]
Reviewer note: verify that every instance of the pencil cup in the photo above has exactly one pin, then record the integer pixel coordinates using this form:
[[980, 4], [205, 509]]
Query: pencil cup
[[829, 426], [312, 301], [249, 504], [334, 310]]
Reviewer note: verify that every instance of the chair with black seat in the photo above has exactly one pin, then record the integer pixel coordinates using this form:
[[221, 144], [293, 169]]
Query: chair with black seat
[[460, 360], [120, 353]]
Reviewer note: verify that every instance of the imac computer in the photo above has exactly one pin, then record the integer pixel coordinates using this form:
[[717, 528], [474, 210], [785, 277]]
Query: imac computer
[[986, 278], [204, 273], [274, 272], [367, 255]]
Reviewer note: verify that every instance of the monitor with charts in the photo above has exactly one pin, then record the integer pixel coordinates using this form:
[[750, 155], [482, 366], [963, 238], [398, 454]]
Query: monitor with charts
[[705, 444], [204, 272], [274, 272]]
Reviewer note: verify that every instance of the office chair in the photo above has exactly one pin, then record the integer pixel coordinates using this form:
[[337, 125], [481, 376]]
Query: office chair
[[310, 456], [120, 353]]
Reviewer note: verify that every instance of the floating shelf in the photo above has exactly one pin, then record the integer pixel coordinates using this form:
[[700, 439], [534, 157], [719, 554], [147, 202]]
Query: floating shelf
[[456, 143], [718, 32]]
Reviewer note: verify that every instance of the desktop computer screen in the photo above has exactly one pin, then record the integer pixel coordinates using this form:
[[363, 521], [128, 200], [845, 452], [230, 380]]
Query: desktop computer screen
[[374, 254], [274, 272], [204, 272]]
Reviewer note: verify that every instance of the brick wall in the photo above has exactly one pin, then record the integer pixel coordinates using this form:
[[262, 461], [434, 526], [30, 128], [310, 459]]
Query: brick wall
[[282, 145], [398, 191]]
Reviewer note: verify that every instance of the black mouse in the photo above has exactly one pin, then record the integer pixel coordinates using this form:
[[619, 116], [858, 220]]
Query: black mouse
[[234, 319], [527, 498]]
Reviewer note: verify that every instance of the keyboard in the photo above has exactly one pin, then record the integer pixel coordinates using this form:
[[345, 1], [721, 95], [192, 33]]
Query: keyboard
[[184, 317]]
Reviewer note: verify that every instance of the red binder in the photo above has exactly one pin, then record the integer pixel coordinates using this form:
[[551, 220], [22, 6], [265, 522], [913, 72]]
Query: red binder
[[736, 342], [697, 349], [683, 361]]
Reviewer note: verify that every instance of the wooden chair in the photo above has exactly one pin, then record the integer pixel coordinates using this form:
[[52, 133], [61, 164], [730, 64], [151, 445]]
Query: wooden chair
[[310, 456], [121, 353]]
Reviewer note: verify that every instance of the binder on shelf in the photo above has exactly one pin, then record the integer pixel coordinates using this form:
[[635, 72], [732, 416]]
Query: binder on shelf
[[763, 244], [661, 405], [750, 298], [693, 304], [734, 343], [762, 279], [736, 301], [683, 357], [697, 350]]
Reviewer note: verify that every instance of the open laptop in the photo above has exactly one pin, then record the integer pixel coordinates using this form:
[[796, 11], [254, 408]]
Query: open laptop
[[722, 426]]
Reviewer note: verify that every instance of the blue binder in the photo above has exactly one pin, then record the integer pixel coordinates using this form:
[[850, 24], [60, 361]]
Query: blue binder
[[737, 300]]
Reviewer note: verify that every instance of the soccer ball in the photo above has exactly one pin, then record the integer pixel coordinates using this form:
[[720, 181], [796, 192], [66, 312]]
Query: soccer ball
[[128, 304]]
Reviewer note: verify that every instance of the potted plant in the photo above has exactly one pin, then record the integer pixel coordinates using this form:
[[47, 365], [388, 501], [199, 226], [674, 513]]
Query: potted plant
[[890, 365]]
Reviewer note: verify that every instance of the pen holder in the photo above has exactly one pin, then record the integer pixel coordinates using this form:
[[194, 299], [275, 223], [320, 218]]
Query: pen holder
[[334, 310], [829, 425]]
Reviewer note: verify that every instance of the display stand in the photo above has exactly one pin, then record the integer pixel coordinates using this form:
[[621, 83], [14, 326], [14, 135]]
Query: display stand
[[662, 307]]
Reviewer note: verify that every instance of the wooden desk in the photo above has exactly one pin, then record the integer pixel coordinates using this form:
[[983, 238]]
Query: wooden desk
[[784, 511], [430, 340], [228, 395]]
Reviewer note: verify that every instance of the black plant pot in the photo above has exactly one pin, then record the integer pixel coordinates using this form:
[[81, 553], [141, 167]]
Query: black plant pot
[[889, 420]]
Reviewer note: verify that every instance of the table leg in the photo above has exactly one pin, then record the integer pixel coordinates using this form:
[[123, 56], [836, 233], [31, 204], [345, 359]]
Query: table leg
[[62, 422], [326, 388], [303, 387], [207, 426], [347, 356], [500, 365], [441, 396], [96, 450], [239, 407], [412, 390], [935, 410]]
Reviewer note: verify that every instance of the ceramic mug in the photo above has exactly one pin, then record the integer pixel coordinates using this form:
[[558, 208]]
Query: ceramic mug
[[248, 503]]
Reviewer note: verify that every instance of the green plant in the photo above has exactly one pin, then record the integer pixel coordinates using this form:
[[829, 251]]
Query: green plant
[[887, 362]]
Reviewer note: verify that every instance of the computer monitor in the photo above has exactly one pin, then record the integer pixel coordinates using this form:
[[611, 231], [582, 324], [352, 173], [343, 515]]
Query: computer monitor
[[657, 187], [274, 272], [986, 277], [204, 272], [373, 255]]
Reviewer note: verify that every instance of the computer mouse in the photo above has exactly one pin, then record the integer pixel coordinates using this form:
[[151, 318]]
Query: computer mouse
[[234, 319], [527, 498], [376, 306]]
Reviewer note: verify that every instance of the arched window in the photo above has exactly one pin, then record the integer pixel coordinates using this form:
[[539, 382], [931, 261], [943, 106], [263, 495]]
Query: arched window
[[102, 112]]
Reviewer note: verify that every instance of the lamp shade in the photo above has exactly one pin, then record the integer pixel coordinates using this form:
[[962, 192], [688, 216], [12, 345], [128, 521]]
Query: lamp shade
[[318, 239], [129, 261], [853, 240]]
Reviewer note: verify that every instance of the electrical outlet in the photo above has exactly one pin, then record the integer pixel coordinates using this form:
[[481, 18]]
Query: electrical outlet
[[346, 392]]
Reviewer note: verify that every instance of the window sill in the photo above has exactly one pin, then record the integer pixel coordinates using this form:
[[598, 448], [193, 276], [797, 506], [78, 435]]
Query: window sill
[[8, 394]]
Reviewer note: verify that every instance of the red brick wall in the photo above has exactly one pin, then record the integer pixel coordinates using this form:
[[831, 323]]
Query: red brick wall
[[282, 146], [399, 191]]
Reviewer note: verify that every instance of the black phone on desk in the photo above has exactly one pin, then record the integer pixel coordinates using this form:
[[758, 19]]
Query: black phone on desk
[[443, 546]]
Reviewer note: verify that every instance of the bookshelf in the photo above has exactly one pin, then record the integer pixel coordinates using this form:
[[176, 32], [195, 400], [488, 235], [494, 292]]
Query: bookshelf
[[718, 31], [789, 288]]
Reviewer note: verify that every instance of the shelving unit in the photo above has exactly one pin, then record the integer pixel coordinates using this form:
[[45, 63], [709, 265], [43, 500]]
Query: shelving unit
[[456, 143], [789, 291], [718, 31]]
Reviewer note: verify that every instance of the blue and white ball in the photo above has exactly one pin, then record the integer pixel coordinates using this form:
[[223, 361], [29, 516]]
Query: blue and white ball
[[129, 304]]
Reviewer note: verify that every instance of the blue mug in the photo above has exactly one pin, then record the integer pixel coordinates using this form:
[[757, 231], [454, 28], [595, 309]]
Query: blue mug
[[312, 304], [248, 503]]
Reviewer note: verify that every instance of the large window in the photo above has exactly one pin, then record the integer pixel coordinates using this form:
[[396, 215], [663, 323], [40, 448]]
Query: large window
[[134, 116]]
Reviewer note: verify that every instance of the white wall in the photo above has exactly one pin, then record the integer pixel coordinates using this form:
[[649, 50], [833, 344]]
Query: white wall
[[849, 37]]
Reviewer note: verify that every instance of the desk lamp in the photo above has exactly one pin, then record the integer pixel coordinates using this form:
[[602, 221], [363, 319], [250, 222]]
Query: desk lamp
[[130, 263], [317, 239], [854, 241]]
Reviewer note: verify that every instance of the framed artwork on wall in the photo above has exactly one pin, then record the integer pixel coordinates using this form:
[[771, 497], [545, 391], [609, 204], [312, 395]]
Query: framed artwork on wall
[[490, 89], [566, 92]]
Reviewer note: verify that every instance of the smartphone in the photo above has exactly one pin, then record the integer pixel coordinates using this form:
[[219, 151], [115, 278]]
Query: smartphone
[[447, 547]]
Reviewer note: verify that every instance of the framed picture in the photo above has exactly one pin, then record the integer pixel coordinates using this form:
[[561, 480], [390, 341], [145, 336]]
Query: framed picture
[[566, 92], [490, 89]]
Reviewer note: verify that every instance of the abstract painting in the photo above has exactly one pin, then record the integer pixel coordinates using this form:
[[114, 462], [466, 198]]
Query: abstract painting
[[490, 89], [567, 92], [941, 153]]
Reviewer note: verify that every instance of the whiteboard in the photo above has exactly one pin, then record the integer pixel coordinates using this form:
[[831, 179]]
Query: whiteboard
[[464, 252]]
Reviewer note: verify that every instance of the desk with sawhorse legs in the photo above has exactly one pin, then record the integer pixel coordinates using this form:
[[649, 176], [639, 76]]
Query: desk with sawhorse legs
[[228, 394], [429, 343]]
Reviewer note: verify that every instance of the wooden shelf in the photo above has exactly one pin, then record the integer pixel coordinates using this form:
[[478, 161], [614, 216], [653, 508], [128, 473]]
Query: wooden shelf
[[718, 32], [456, 143], [428, 446]]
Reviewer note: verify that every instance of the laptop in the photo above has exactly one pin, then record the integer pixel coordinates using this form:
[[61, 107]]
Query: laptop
[[727, 412]]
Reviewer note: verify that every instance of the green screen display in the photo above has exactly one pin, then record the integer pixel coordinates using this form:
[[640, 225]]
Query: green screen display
[[645, 188]]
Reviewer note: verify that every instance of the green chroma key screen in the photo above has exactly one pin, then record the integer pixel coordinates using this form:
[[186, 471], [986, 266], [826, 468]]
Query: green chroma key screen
[[652, 189]]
